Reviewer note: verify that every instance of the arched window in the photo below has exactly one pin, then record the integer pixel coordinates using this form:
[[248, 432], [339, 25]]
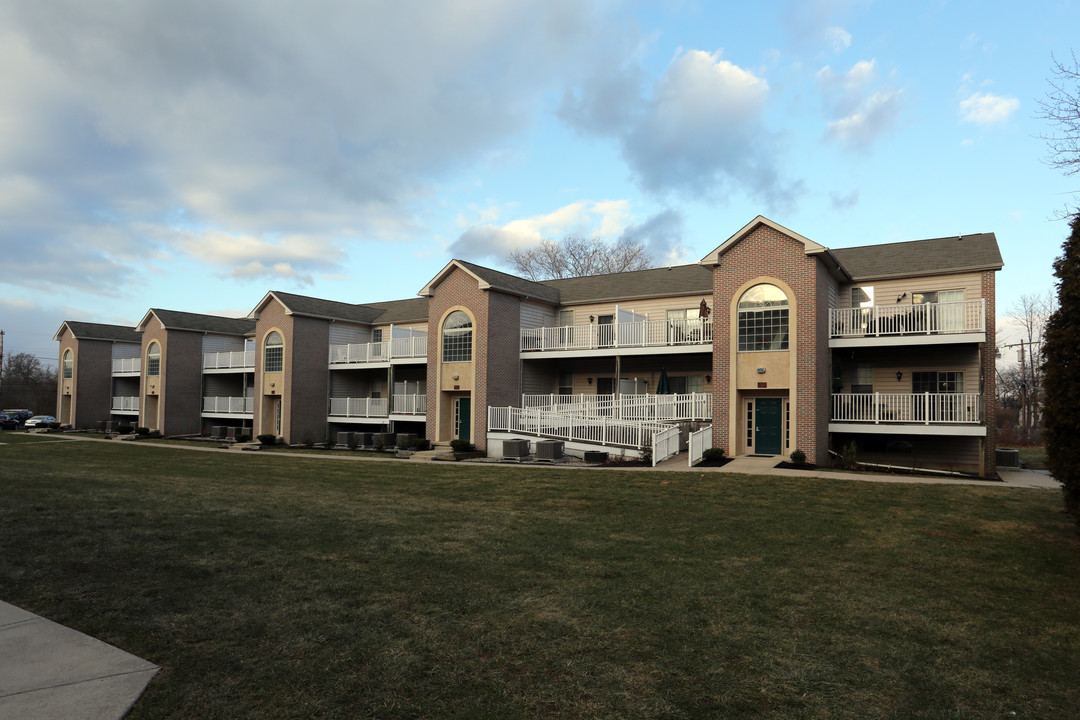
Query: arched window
[[69, 364], [153, 359], [457, 338], [763, 319], [273, 353]]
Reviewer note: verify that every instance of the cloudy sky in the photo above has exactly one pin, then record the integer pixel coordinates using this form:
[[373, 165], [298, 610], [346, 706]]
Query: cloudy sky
[[194, 155]]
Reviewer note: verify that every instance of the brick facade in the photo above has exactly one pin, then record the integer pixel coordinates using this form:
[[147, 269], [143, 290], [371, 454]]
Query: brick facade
[[766, 255]]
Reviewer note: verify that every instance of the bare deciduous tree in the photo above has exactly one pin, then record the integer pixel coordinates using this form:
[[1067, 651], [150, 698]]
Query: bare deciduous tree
[[577, 256], [1031, 313], [1061, 108], [28, 383]]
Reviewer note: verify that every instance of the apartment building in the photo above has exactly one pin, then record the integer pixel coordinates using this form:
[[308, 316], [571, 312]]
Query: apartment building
[[773, 341], [99, 374]]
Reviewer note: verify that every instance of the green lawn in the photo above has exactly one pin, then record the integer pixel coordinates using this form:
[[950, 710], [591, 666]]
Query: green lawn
[[294, 587]]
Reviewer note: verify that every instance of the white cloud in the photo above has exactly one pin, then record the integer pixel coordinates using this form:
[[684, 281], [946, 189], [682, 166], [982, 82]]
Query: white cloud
[[987, 108], [838, 37], [700, 130], [858, 118], [605, 219], [258, 120], [859, 130]]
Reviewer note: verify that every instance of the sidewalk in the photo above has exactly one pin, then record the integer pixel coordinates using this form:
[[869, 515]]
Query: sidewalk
[[746, 465], [50, 672]]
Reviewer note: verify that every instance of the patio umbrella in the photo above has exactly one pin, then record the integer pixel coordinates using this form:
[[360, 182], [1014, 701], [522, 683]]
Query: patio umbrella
[[663, 386]]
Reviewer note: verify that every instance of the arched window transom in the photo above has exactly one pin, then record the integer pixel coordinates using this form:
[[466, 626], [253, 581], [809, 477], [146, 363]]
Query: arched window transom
[[763, 319], [153, 359], [457, 337], [69, 365], [273, 353]]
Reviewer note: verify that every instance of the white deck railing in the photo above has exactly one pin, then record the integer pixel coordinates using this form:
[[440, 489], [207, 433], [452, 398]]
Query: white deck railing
[[665, 444], [924, 408], [125, 404], [410, 404], [563, 426], [359, 407], [644, 333], [700, 441], [689, 406], [126, 365], [968, 316], [232, 405], [402, 347], [239, 359]]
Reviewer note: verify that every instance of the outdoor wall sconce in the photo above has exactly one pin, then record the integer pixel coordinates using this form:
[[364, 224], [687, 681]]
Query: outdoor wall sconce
[[708, 378], [899, 375], [273, 384], [589, 380], [901, 297], [453, 377], [591, 318], [761, 371]]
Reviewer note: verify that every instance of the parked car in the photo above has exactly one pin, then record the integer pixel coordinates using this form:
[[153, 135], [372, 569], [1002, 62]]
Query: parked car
[[20, 415], [8, 423], [39, 420]]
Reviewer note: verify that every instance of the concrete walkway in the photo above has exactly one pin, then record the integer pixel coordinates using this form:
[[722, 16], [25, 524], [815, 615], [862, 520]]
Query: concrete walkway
[[50, 672]]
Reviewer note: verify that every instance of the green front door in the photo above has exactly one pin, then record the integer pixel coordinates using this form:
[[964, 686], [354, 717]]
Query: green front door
[[463, 419], [769, 426]]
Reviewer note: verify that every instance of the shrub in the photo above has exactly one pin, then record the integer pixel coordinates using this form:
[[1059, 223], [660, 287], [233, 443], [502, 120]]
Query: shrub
[[798, 457], [354, 441], [420, 444], [268, 439], [378, 445], [714, 454], [849, 456], [462, 446], [308, 442], [53, 425], [646, 455], [124, 429], [142, 431], [243, 438]]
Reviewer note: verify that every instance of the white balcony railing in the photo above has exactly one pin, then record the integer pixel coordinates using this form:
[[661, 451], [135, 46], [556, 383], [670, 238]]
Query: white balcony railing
[[410, 404], [359, 407], [232, 405], [574, 428], [397, 348], [643, 333], [968, 316], [238, 359], [126, 365], [125, 404], [689, 406], [919, 408]]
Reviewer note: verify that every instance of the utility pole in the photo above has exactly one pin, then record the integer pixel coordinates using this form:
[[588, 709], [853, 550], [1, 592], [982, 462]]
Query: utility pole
[[1, 368], [1025, 420]]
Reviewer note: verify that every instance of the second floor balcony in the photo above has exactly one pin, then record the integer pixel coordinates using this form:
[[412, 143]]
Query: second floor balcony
[[126, 366], [399, 348], [368, 407], [235, 360], [904, 412], [125, 404], [228, 405], [909, 324], [692, 333]]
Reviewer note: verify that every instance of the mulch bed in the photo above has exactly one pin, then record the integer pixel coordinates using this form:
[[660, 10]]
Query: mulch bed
[[792, 466], [714, 463]]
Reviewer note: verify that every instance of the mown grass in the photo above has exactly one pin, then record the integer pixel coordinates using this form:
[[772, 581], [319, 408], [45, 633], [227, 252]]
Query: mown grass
[[274, 587], [1034, 457]]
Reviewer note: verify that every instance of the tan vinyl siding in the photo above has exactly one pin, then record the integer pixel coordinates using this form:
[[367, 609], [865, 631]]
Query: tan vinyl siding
[[886, 292], [534, 315], [655, 309], [122, 350], [908, 360], [345, 334], [946, 453]]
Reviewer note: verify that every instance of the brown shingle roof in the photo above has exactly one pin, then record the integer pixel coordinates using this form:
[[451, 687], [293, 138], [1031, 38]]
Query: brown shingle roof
[[177, 320], [922, 257], [100, 331], [401, 311], [512, 283], [656, 282], [328, 309]]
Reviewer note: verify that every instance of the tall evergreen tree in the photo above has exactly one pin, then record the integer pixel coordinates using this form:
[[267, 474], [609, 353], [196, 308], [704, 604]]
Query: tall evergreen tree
[[1061, 374]]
